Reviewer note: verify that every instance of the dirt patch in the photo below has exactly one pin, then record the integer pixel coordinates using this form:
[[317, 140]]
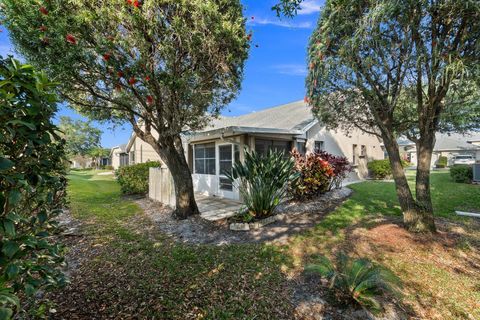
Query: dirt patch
[[440, 272], [298, 217]]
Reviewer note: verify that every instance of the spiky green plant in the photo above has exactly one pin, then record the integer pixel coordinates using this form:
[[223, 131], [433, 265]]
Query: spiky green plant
[[262, 180], [357, 281]]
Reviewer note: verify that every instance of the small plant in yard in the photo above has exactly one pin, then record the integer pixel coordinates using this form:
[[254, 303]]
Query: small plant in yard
[[262, 181], [134, 179], [318, 172], [442, 162], [461, 173], [356, 281]]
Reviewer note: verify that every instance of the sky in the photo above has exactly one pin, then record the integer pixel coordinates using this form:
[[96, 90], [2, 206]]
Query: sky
[[274, 72]]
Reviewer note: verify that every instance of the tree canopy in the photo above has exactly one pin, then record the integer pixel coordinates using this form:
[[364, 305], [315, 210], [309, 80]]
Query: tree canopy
[[393, 68], [81, 137]]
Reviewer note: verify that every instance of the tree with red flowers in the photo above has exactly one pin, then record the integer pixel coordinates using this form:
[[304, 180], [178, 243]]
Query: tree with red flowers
[[165, 66]]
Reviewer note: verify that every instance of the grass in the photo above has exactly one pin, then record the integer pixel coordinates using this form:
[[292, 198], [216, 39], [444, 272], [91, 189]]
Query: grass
[[131, 270]]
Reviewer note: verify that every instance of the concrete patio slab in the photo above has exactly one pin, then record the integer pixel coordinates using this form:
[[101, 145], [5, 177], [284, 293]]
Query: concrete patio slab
[[214, 208]]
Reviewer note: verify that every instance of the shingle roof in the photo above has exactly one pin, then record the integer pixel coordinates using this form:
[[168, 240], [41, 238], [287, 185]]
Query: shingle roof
[[293, 116], [456, 141]]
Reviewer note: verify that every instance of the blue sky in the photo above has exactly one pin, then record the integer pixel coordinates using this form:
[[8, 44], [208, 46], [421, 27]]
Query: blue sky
[[274, 73]]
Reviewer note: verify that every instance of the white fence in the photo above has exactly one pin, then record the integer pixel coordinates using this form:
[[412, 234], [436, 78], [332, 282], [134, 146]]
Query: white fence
[[161, 187]]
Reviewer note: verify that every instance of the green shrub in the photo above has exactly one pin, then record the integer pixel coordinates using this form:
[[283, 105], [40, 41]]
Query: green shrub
[[357, 281], [109, 167], [32, 187], [134, 179], [381, 169], [262, 181], [461, 173], [442, 162]]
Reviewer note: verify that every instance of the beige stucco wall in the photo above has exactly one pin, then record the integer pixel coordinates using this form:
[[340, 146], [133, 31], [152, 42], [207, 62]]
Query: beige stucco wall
[[143, 152], [116, 158], [341, 144]]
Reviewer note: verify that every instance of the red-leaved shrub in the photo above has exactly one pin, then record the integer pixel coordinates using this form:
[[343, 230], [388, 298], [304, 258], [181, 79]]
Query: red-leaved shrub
[[319, 172]]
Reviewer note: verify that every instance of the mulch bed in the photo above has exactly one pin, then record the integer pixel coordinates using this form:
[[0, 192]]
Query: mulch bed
[[298, 216]]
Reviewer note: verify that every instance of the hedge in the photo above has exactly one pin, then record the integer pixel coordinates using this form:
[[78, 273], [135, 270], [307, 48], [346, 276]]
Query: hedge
[[442, 162], [134, 179], [461, 173], [381, 169]]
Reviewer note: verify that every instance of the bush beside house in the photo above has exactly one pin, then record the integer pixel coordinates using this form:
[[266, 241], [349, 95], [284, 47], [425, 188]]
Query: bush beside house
[[381, 169], [442, 162], [318, 172], [134, 179], [462, 173]]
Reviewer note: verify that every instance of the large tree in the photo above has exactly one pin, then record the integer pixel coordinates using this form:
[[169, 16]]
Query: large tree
[[393, 68], [163, 65], [80, 136]]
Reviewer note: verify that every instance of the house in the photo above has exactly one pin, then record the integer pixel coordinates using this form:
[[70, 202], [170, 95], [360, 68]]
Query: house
[[212, 151], [119, 156], [448, 145]]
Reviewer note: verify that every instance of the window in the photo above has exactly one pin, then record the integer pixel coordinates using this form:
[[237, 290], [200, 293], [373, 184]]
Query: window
[[301, 147], [226, 184], [225, 158], [205, 158], [262, 146], [363, 151], [354, 154], [319, 145], [132, 157]]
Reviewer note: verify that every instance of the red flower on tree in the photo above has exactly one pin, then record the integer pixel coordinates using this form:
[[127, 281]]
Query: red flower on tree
[[71, 38], [120, 74], [42, 28], [137, 4], [118, 87], [107, 56], [43, 10], [147, 78], [132, 81], [149, 100]]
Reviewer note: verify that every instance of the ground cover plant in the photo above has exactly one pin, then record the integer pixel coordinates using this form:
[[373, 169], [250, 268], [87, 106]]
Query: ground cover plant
[[356, 281], [32, 187]]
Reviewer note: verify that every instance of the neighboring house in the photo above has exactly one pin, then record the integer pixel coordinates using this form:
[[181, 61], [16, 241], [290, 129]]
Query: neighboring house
[[448, 145], [212, 151], [139, 151], [119, 156]]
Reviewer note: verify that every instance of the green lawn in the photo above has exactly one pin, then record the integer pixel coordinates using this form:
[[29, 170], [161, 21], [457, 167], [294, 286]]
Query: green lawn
[[134, 270]]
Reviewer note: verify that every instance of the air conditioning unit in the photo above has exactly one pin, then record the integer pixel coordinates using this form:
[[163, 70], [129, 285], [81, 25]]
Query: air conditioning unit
[[476, 172]]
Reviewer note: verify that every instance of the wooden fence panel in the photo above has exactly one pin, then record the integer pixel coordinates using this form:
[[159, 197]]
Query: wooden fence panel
[[161, 187]]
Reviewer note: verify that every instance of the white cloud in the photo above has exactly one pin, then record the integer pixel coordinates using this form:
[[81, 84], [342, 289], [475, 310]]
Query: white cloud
[[291, 69], [280, 23], [309, 7]]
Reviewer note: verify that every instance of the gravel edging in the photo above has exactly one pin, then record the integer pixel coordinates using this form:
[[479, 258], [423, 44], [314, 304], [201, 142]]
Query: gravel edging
[[296, 216]]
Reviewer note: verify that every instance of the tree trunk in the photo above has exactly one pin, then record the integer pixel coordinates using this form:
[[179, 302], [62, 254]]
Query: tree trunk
[[174, 157], [416, 217], [425, 220]]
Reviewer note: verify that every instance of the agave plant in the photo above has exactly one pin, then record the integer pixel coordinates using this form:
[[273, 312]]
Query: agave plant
[[357, 281], [262, 180]]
